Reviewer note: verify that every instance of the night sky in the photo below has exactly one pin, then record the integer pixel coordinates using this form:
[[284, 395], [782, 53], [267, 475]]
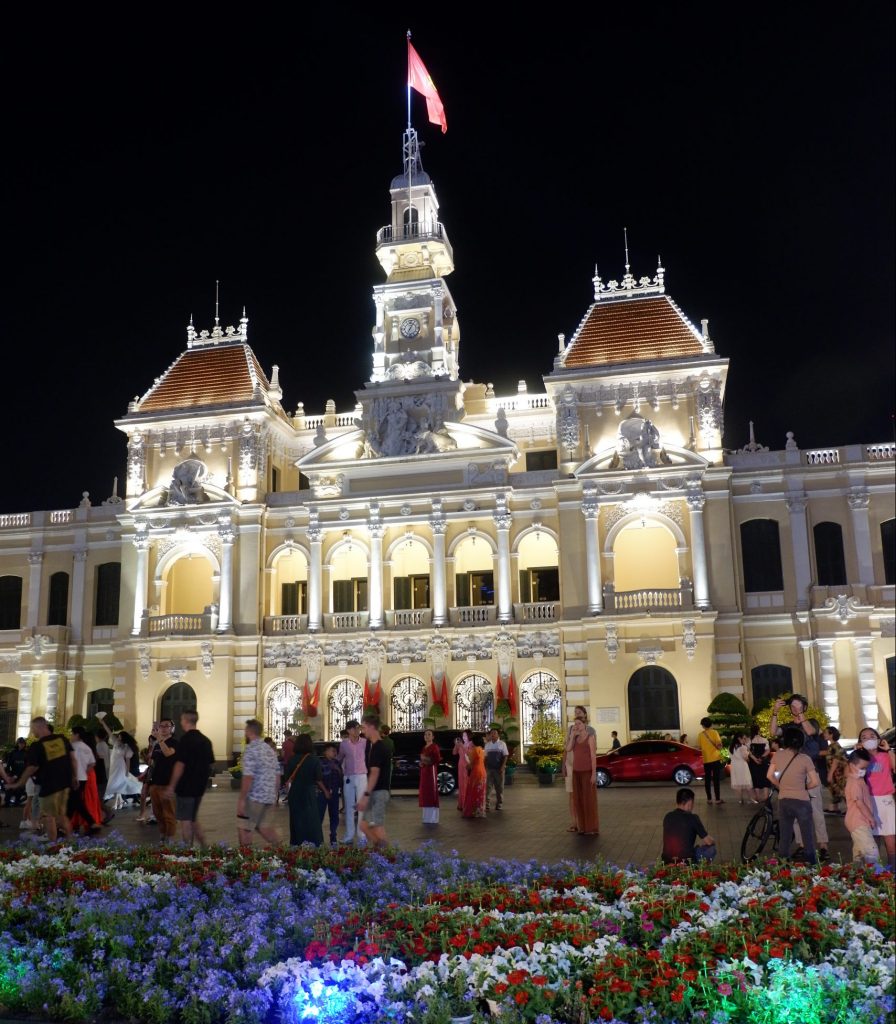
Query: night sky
[[150, 152]]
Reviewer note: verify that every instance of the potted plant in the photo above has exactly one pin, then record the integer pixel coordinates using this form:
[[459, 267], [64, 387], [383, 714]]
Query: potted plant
[[546, 767], [236, 773]]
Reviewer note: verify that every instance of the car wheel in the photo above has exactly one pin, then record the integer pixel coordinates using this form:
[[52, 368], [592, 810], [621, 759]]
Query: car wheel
[[683, 776], [604, 778], [446, 783]]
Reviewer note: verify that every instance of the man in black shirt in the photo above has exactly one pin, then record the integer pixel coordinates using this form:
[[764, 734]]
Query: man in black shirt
[[189, 777], [372, 805], [681, 829], [161, 760], [52, 760]]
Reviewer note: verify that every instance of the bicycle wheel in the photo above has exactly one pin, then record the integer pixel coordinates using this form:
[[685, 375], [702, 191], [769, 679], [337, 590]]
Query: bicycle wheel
[[757, 836]]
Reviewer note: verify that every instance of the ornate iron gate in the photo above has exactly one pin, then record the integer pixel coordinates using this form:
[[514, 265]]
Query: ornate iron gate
[[284, 700], [344, 702], [408, 704], [539, 698], [474, 703]]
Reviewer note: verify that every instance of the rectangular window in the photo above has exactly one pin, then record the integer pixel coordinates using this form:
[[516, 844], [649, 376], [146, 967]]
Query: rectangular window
[[108, 587], [482, 589], [411, 592], [275, 478], [294, 598], [541, 584], [350, 595], [546, 459], [57, 605]]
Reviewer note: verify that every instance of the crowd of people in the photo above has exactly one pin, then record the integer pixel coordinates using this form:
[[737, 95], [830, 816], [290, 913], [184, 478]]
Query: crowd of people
[[79, 783]]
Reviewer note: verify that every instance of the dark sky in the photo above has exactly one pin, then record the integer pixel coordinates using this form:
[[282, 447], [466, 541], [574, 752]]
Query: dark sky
[[149, 152]]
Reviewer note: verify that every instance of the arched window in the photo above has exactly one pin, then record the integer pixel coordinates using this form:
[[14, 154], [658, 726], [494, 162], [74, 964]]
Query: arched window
[[100, 700], [407, 703], [760, 547], [108, 589], [539, 698], [57, 605], [474, 703], [344, 703], [830, 562], [888, 546], [175, 700], [653, 701], [10, 602], [770, 681], [284, 700]]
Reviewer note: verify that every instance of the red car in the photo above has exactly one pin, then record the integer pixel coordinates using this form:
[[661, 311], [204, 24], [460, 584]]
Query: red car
[[650, 761]]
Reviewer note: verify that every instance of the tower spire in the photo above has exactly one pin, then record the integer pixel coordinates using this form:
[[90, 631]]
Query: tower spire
[[625, 236], [217, 291]]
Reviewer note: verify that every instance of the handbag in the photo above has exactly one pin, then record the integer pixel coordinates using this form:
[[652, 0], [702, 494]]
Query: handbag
[[297, 767]]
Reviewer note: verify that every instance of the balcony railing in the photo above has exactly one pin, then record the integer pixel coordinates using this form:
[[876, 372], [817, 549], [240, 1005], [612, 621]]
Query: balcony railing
[[478, 616], [180, 625], [408, 618], [415, 231], [648, 599], [536, 611], [337, 622], [275, 624]]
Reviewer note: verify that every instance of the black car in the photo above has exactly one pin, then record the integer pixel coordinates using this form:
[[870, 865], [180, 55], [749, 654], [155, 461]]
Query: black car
[[406, 760]]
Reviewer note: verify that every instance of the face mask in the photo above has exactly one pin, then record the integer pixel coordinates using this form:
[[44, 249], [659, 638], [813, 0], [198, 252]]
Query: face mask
[[870, 744], [860, 772]]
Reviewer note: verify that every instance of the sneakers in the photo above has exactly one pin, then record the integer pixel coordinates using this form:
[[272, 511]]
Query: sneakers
[[25, 824]]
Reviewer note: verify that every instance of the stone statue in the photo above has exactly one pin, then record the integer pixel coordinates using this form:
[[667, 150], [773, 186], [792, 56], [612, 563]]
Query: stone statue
[[186, 484]]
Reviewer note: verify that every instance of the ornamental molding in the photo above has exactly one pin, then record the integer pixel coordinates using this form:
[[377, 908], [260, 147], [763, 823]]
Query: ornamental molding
[[207, 657], [144, 661], [796, 503], [10, 663], [175, 675], [545, 642], [439, 651], [858, 499], [888, 627], [283, 653], [689, 638], [612, 641], [844, 608], [472, 647], [644, 504], [374, 653], [408, 650], [35, 557], [650, 653], [344, 652], [37, 645]]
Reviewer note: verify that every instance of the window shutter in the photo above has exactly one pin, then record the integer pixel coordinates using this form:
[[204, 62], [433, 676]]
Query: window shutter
[[462, 590], [525, 588], [343, 593], [289, 599], [401, 586]]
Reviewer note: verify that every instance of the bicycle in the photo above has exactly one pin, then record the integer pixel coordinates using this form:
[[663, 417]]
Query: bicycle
[[763, 827]]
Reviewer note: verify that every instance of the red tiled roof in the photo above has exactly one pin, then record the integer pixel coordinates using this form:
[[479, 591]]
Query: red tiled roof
[[207, 375], [633, 330]]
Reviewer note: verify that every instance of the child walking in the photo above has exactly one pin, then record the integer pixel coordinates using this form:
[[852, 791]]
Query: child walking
[[859, 809]]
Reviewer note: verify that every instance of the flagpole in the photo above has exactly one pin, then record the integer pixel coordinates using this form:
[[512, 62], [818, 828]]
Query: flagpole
[[409, 79], [409, 227]]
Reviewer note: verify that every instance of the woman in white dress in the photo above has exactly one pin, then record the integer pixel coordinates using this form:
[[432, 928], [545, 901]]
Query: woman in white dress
[[741, 780], [121, 782]]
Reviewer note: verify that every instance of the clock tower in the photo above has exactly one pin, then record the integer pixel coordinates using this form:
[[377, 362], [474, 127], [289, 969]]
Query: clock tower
[[416, 334]]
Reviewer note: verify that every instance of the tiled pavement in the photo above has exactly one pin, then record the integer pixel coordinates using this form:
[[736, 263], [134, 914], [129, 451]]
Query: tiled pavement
[[532, 824]]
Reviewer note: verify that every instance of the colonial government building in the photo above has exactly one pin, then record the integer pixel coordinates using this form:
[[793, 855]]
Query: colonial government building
[[591, 543]]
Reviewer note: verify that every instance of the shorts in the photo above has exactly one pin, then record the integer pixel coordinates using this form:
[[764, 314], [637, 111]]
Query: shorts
[[55, 805], [187, 807], [376, 807], [864, 845], [884, 815], [256, 815]]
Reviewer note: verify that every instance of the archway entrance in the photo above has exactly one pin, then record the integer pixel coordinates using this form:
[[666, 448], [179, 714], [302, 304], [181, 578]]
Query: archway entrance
[[175, 700]]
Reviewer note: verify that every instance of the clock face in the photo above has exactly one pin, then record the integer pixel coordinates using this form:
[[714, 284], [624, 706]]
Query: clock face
[[410, 327]]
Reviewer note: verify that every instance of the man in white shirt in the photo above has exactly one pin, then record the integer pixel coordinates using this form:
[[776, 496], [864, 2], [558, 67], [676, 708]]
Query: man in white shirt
[[85, 759], [352, 757], [496, 754], [259, 788]]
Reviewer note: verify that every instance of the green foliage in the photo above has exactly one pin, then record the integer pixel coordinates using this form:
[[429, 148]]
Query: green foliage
[[547, 732], [730, 716], [764, 716], [651, 735], [436, 712], [548, 764]]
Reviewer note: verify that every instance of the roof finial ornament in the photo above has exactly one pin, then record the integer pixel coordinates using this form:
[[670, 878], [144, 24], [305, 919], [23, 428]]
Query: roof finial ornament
[[217, 294], [191, 333], [244, 325], [598, 284], [625, 235], [628, 282]]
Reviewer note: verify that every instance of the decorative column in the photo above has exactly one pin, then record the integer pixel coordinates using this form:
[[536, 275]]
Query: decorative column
[[23, 713], [828, 673], [315, 535], [78, 578], [35, 560], [696, 501], [375, 572], [799, 535], [141, 543], [439, 594], [52, 698], [503, 520], [867, 689], [227, 535], [590, 510], [858, 504]]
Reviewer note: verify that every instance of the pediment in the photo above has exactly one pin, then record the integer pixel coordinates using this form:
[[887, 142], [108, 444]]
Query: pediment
[[668, 457], [458, 454], [158, 497]]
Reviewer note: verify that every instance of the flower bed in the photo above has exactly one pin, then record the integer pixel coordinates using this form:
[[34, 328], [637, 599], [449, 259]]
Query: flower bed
[[295, 935]]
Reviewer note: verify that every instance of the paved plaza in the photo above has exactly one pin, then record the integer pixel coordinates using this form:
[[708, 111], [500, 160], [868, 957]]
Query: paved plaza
[[532, 824]]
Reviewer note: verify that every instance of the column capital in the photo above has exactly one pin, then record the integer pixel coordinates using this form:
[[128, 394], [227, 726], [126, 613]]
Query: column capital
[[438, 525], [696, 501], [590, 508], [858, 499], [80, 554], [227, 534], [376, 530], [35, 557], [141, 541], [796, 504]]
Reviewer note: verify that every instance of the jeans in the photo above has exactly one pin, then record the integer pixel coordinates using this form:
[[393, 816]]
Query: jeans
[[331, 805], [355, 788], [789, 811], [712, 777]]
